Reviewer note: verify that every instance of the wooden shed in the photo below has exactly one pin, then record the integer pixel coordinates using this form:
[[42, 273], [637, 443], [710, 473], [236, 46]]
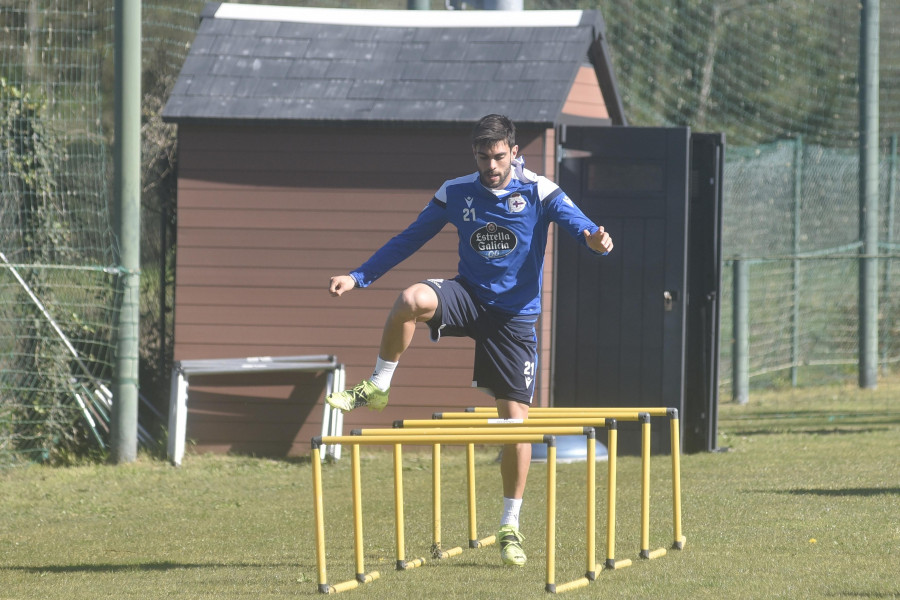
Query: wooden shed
[[307, 138]]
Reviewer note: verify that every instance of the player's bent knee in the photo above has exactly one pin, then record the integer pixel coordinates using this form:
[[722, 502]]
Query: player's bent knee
[[417, 300]]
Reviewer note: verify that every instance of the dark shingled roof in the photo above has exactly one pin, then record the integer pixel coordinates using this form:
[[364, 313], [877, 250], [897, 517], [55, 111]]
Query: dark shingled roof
[[308, 64]]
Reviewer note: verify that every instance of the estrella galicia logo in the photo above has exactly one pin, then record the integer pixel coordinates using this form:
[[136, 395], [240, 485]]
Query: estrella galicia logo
[[493, 241]]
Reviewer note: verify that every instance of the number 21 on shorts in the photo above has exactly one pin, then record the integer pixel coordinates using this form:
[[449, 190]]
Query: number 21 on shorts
[[529, 373]]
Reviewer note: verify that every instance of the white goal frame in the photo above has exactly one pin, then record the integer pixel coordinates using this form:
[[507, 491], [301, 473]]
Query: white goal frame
[[332, 419]]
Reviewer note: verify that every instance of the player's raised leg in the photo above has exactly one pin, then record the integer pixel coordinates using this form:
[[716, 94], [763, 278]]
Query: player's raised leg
[[416, 303]]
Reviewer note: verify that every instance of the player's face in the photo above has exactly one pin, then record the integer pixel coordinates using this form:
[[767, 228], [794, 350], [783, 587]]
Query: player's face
[[495, 164]]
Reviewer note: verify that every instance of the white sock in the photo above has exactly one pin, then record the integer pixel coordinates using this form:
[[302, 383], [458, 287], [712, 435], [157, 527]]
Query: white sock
[[381, 377], [511, 507]]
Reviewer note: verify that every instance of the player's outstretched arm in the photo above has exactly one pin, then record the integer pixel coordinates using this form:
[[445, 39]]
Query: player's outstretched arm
[[599, 241], [340, 284]]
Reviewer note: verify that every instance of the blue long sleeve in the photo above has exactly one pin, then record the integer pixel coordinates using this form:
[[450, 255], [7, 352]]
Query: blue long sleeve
[[403, 245]]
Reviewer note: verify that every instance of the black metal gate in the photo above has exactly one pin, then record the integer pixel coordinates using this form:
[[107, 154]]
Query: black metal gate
[[623, 322]]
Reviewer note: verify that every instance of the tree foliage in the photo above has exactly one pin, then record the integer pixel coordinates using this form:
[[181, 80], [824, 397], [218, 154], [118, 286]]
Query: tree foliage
[[36, 387]]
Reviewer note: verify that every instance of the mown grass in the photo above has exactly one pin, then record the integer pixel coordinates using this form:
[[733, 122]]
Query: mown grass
[[802, 507]]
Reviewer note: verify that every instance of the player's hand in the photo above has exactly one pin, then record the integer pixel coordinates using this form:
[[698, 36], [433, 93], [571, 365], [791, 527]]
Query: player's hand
[[340, 284], [599, 241]]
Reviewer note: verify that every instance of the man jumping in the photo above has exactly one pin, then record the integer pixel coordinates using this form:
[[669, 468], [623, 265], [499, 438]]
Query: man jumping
[[502, 214]]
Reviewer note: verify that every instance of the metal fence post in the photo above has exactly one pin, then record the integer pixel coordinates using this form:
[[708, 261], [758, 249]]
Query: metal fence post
[[795, 316], [741, 334], [868, 194], [889, 266], [124, 423]]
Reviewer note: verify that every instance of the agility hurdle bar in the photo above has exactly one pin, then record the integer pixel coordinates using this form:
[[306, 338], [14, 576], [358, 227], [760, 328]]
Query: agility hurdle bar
[[484, 437], [424, 425], [427, 427], [471, 428], [653, 411], [467, 429], [474, 542], [621, 414]]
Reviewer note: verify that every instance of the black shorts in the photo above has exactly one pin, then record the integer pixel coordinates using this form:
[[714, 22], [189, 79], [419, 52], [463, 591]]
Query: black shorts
[[505, 345]]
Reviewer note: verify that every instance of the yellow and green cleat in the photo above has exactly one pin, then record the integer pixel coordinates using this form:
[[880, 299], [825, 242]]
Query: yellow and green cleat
[[511, 552], [364, 394]]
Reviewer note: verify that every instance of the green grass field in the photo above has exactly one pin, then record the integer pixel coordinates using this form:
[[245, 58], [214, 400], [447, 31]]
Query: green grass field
[[804, 504]]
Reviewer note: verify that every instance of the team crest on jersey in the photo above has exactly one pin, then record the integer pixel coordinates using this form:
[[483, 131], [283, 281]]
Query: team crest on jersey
[[516, 203], [493, 241]]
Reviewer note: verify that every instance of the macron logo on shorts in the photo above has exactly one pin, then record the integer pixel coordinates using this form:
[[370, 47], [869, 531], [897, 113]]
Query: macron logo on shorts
[[437, 282]]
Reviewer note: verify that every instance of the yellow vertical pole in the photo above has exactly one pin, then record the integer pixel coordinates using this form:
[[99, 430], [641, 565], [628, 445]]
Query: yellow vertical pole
[[398, 505], [645, 485], [591, 506], [676, 480], [357, 511], [474, 542], [436, 499], [320, 518], [551, 513], [470, 477], [611, 561], [611, 495], [437, 550]]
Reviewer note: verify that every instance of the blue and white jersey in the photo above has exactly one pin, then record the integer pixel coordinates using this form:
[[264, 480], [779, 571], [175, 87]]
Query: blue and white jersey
[[502, 236]]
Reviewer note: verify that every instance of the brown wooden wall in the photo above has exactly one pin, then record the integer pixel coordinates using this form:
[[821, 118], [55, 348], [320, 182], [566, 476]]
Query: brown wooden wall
[[266, 215], [585, 99]]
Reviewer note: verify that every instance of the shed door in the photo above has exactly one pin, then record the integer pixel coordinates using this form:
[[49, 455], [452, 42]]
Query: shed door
[[701, 370], [620, 319]]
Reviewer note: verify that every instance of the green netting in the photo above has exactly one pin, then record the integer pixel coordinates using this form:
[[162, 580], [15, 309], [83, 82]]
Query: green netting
[[57, 278], [778, 78], [802, 241]]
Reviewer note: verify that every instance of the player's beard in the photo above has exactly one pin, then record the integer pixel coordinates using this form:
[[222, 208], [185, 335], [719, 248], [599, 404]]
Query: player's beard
[[500, 181]]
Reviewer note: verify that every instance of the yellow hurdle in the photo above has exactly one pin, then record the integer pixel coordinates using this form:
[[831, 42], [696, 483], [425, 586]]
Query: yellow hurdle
[[436, 548], [482, 422], [583, 415], [514, 428], [543, 421], [653, 411], [559, 427], [469, 427], [481, 426], [459, 436]]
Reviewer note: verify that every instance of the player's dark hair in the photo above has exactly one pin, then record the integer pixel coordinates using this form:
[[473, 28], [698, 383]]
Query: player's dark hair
[[491, 129]]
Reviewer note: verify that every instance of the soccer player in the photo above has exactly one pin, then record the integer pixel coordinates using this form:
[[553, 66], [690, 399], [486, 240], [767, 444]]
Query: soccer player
[[502, 213]]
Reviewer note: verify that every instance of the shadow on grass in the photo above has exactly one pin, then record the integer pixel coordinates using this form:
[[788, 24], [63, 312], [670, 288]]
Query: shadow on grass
[[797, 429], [800, 418], [470, 564], [865, 595], [866, 491], [116, 568]]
